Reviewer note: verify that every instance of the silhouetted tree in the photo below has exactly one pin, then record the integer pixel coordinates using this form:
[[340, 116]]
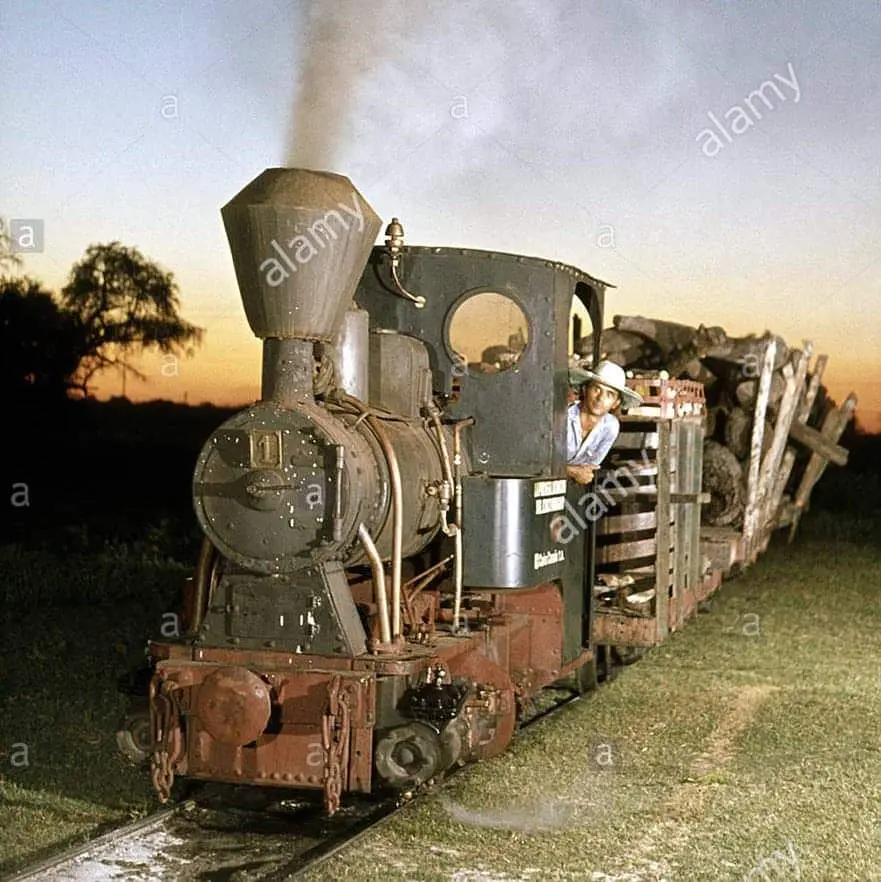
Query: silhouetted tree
[[123, 303], [8, 258], [39, 342]]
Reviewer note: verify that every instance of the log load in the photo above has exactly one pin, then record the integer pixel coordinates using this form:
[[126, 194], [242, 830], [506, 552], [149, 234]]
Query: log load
[[752, 476], [723, 481]]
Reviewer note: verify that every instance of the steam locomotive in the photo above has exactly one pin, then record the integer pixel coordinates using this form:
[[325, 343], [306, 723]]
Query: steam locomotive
[[382, 586]]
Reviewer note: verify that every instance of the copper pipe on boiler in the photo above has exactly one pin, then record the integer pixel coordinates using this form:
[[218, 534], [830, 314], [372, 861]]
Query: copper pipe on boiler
[[397, 507], [372, 553]]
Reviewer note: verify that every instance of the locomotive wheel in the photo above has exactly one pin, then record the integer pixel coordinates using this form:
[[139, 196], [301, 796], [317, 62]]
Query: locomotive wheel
[[479, 669], [586, 677], [134, 737], [582, 680], [627, 655], [607, 670], [408, 756]]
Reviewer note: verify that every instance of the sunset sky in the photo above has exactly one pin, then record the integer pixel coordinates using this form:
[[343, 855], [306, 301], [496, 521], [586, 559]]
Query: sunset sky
[[719, 162]]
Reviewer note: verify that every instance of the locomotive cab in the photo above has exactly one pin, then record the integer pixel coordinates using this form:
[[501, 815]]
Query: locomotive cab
[[381, 586]]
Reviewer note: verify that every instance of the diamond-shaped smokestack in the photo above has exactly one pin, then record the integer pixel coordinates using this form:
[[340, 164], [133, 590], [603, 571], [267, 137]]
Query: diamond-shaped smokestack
[[299, 242]]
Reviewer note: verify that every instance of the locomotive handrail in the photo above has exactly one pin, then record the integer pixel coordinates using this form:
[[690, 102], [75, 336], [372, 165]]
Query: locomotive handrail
[[457, 467], [204, 568], [453, 479], [454, 530], [337, 518]]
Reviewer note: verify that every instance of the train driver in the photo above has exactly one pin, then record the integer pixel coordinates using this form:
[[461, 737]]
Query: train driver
[[591, 424]]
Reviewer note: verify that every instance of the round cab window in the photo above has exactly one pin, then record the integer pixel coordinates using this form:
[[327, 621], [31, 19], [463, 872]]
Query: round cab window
[[488, 333]]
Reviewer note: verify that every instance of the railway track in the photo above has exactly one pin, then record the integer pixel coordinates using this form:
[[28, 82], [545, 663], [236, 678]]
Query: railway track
[[223, 835], [227, 833]]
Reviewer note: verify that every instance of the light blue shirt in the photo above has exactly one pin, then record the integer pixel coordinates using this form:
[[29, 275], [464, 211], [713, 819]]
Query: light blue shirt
[[593, 449]]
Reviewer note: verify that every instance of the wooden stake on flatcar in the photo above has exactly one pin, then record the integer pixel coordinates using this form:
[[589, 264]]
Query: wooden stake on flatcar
[[796, 431], [771, 489], [819, 443], [813, 388], [751, 518], [835, 423]]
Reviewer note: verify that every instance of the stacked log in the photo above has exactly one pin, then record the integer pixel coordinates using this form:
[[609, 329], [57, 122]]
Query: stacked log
[[790, 400], [723, 482]]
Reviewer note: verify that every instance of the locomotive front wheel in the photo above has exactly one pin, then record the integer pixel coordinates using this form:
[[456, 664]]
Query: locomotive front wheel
[[408, 755], [134, 737]]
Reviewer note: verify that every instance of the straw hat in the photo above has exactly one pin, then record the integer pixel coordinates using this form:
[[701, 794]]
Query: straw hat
[[607, 374]]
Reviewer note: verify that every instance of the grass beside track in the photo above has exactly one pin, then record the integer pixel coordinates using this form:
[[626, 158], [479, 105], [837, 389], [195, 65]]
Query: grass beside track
[[746, 745], [71, 626]]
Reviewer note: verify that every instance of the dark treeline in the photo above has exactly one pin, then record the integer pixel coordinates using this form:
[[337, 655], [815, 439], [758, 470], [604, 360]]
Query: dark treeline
[[83, 473], [86, 474], [80, 474], [856, 488], [116, 303]]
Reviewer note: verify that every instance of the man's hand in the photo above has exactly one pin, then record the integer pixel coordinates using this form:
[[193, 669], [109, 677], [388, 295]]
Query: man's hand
[[581, 474]]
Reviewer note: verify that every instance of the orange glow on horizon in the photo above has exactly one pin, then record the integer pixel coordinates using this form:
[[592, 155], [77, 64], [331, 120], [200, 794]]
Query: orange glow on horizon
[[227, 373]]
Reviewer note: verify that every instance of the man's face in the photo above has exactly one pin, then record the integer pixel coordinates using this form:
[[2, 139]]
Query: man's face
[[599, 400]]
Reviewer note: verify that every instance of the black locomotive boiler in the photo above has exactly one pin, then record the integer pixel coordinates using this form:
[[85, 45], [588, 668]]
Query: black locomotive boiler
[[380, 588]]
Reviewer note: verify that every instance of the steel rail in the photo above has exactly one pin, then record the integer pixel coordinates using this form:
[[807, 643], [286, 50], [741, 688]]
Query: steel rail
[[68, 863], [70, 855], [324, 852]]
